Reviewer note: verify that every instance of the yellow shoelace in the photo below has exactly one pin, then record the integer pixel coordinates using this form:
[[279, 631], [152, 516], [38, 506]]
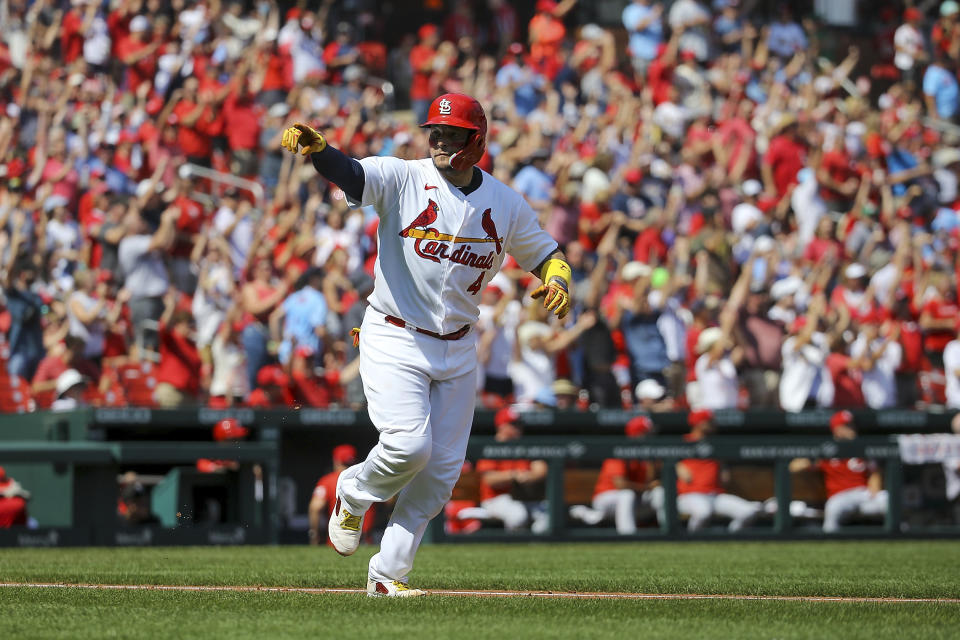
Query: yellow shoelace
[[350, 521], [401, 586]]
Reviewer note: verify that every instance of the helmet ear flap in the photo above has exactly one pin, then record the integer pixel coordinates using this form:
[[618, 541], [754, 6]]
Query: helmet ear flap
[[471, 152]]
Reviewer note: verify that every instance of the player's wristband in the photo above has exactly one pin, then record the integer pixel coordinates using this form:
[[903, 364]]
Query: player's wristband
[[556, 268]]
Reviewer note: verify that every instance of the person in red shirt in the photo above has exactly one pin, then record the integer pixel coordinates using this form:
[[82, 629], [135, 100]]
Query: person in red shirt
[[69, 355], [938, 318], [321, 502], [619, 484], [178, 376], [853, 485], [13, 502], [785, 157], [700, 492], [422, 57], [138, 55], [243, 134], [500, 479], [194, 118], [547, 32]]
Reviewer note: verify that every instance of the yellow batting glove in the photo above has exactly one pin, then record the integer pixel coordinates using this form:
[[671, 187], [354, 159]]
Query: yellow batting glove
[[303, 135], [555, 289]]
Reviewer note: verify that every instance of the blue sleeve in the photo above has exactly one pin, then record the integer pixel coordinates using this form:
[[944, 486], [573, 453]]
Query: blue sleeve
[[341, 170]]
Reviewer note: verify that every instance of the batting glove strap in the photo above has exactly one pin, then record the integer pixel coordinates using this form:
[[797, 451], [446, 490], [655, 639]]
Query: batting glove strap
[[305, 136]]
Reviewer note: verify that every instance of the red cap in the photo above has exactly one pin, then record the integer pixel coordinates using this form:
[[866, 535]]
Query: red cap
[[505, 416], [426, 31], [687, 54], [104, 275], [638, 426], [633, 176], [515, 48], [229, 429], [154, 105], [546, 6], [841, 419], [700, 415], [258, 398], [345, 454], [912, 13], [272, 375], [3, 474]]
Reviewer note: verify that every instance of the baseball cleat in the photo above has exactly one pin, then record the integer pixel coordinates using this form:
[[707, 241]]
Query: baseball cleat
[[344, 527], [391, 589]]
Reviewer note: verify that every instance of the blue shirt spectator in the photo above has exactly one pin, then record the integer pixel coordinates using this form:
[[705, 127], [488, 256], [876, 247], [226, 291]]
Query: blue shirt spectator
[[644, 23], [644, 341], [533, 182], [941, 91], [527, 85], [305, 314], [786, 38]]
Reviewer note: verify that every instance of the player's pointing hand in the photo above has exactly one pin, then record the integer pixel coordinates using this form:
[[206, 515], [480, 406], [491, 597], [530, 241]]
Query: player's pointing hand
[[311, 140]]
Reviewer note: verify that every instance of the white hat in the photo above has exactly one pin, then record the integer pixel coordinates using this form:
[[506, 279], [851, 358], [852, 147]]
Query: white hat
[[661, 169], [785, 287], [708, 337], [139, 23], [945, 157], [635, 269], [53, 202], [855, 270], [764, 244], [751, 187], [279, 110], [650, 389], [69, 379], [591, 32], [144, 184]]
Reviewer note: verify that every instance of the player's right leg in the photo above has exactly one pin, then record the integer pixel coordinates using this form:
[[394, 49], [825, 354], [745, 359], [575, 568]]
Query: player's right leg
[[839, 506], [619, 503], [699, 508]]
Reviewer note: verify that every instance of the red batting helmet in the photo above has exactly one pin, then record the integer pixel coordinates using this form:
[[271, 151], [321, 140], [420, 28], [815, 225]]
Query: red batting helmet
[[638, 426], [458, 110], [229, 429], [841, 419]]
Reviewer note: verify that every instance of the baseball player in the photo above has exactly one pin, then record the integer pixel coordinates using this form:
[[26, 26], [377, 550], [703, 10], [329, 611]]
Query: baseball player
[[321, 502], [852, 484], [700, 492], [619, 483], [445, 228]]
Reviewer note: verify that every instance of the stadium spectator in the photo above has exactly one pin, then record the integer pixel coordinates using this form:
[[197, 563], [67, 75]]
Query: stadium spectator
[[136, 502], [853, 485], [178, 375]]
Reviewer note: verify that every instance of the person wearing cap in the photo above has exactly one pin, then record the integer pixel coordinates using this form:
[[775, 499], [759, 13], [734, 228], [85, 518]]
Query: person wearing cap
[[785, 157], [229, 385], [226, 430], [13, 502], [638, 320], [877, 353], [507, 486], [852, 293], [322, 499], [786, 292], [138, 56], [941, 91], [945, 30], [547, 33], [652, 396], [938, 314], [422, 57], [805, 381], [300, 320], [178, 374], [700, 492], [525, 82], [951, 369], [643, 20], [716, 370], [910, 46], [71, 385], [62, 357], [853, 485], [619, 484]]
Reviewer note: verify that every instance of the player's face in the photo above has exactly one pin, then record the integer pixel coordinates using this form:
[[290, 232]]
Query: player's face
[[444, 142]]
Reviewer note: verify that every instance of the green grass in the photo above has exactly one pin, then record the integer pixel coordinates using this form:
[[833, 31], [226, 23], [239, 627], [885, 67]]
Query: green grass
[[925, 569]]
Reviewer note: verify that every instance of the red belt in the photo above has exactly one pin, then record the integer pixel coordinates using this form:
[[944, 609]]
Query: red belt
[[403, 324]]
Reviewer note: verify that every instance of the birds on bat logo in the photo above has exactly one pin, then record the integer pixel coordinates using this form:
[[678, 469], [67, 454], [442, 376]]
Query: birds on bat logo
[[433, 245]]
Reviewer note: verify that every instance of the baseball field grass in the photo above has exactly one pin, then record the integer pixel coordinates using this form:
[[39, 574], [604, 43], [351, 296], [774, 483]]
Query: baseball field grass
[[902, 573]]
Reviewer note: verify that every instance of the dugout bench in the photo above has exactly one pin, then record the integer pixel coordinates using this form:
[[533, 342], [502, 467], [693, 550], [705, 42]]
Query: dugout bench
[[569, 482]]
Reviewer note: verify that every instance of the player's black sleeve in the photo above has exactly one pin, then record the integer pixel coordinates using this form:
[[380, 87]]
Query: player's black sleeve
[[341, 170]]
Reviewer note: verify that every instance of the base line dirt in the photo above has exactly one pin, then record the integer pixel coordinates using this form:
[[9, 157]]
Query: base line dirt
[[488, 593]]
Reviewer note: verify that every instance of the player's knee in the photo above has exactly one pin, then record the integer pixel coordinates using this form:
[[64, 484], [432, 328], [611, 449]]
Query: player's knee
[[408, 454]]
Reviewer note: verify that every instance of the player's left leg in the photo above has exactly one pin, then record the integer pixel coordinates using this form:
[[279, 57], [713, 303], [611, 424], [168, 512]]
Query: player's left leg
[[876, 504], [741, 512], [451, 416]]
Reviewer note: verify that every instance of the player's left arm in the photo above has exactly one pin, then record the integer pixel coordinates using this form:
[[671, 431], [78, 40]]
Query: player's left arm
[[555, 273]]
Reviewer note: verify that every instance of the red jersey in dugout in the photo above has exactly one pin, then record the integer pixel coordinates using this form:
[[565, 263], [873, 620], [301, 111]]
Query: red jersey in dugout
[[705, 475], [631, 470], [483, 466], [840, 474]]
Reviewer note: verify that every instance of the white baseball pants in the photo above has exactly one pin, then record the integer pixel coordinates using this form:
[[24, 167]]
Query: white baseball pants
[[858, 500], [512, 512], [701, 507], [420, 396], [620, 504]]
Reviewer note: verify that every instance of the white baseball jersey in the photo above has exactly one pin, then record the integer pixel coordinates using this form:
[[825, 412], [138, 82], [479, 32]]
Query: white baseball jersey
[[438, 248]]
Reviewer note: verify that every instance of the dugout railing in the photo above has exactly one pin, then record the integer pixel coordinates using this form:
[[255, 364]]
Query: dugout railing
[[71, 462]]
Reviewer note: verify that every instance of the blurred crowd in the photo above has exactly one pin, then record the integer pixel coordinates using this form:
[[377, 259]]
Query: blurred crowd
[[753, 218]]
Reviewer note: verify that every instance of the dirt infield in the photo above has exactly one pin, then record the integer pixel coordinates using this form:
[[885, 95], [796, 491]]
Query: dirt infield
[[487, 594]]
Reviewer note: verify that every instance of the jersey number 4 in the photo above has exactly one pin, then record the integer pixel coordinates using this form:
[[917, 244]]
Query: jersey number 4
[[477, 284]]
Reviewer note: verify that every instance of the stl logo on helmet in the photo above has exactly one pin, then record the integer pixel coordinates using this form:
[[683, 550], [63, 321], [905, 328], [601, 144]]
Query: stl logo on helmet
[[445, 107]]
